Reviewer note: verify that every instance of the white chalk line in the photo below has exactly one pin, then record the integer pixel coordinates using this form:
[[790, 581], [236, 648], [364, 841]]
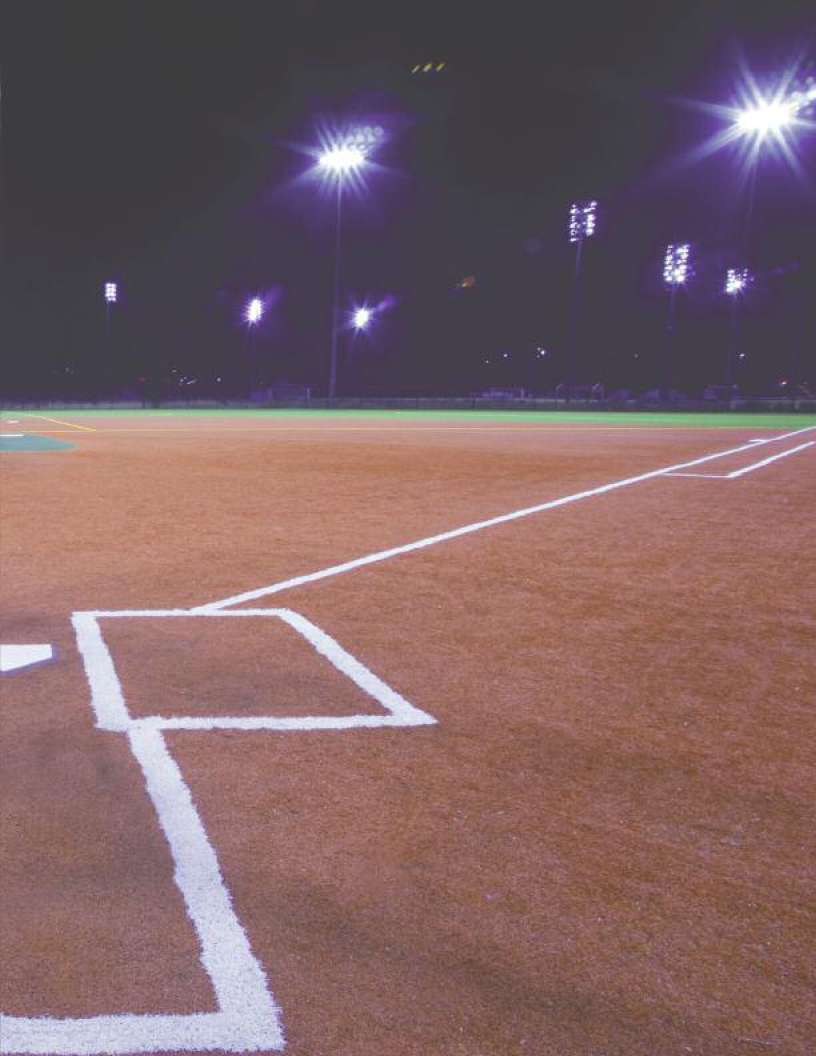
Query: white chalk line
[[701, 476], [247, 1020], [108, 703], [735, 474], [432, 540], [767, 461]]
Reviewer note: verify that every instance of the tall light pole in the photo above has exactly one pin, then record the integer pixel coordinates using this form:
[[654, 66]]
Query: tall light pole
[[582, 218], [676, 272], [340, 162], [111, 293], [253, 313], [736, 282]]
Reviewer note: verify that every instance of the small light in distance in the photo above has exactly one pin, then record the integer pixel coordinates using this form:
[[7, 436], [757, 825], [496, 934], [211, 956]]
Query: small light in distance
[[361, 318], [254, 311], [676, 264], [582, 217], [736, 281], [110, 292]]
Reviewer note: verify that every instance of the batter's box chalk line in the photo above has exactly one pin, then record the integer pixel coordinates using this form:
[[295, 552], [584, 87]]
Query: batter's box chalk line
[[247, 1020]]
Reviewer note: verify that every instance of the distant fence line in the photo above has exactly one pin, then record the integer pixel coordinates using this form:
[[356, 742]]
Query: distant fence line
[[431, 403]]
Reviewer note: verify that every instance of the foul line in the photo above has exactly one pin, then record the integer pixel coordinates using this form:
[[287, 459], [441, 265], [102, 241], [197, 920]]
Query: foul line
[[746, 469], [432, 540], [87, 428], [773, 458]]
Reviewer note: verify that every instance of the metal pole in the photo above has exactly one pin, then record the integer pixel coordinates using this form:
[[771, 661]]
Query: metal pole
[[108, 350], [253, 359], [668, 347], [336, 303], [572, 337], [732, 350]]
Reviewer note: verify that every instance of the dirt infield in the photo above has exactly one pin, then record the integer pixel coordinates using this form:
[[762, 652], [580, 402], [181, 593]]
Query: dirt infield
[[556, 801]]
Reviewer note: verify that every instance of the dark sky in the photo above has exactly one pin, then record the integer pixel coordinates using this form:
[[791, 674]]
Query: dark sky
[[154, 143]]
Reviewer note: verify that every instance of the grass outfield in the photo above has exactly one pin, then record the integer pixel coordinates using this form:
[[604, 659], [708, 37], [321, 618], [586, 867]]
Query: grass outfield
[[696, 420]]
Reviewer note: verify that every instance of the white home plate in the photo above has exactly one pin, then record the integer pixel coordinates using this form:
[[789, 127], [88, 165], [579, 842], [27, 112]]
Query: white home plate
[[14, 656]]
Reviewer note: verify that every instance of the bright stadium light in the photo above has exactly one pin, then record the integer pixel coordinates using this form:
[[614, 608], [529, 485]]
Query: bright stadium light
[[676, 264], [110, 292], [361, 318], [341, 159], [766, 118], [676, 272], [582, 216], [254, 311], [736, 280]]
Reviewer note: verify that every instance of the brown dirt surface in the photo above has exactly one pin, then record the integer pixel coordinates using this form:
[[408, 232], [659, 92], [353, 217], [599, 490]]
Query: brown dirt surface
[[604, 846]]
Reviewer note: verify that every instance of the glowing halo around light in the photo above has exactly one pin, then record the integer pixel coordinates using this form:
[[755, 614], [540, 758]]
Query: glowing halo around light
[[763, 118], [342, 155]]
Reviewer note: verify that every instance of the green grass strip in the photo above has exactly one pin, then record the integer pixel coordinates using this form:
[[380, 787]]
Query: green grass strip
[[696, 420]]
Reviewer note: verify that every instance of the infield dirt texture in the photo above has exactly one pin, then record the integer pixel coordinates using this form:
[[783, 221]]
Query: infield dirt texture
[[408, 735]]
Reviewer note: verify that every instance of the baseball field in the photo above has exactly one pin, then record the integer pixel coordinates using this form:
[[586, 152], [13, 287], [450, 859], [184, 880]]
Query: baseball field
[[405, 734]]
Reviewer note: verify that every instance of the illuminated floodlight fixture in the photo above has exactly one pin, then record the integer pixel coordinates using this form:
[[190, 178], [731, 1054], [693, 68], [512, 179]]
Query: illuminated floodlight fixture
[[341, 159], [736, 281], [767, 118], [361, 318], [582, 217], [111, 291], [676, 264], [254, 311]]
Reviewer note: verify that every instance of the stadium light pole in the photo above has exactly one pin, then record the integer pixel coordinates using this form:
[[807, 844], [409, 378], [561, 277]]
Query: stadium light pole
[[253, 313], [676, 272], [582, 218], [736, 283], [340, 162], [111, 294]]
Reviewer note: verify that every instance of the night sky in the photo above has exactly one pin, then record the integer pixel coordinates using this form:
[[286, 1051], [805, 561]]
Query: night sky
[[157, 144]]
